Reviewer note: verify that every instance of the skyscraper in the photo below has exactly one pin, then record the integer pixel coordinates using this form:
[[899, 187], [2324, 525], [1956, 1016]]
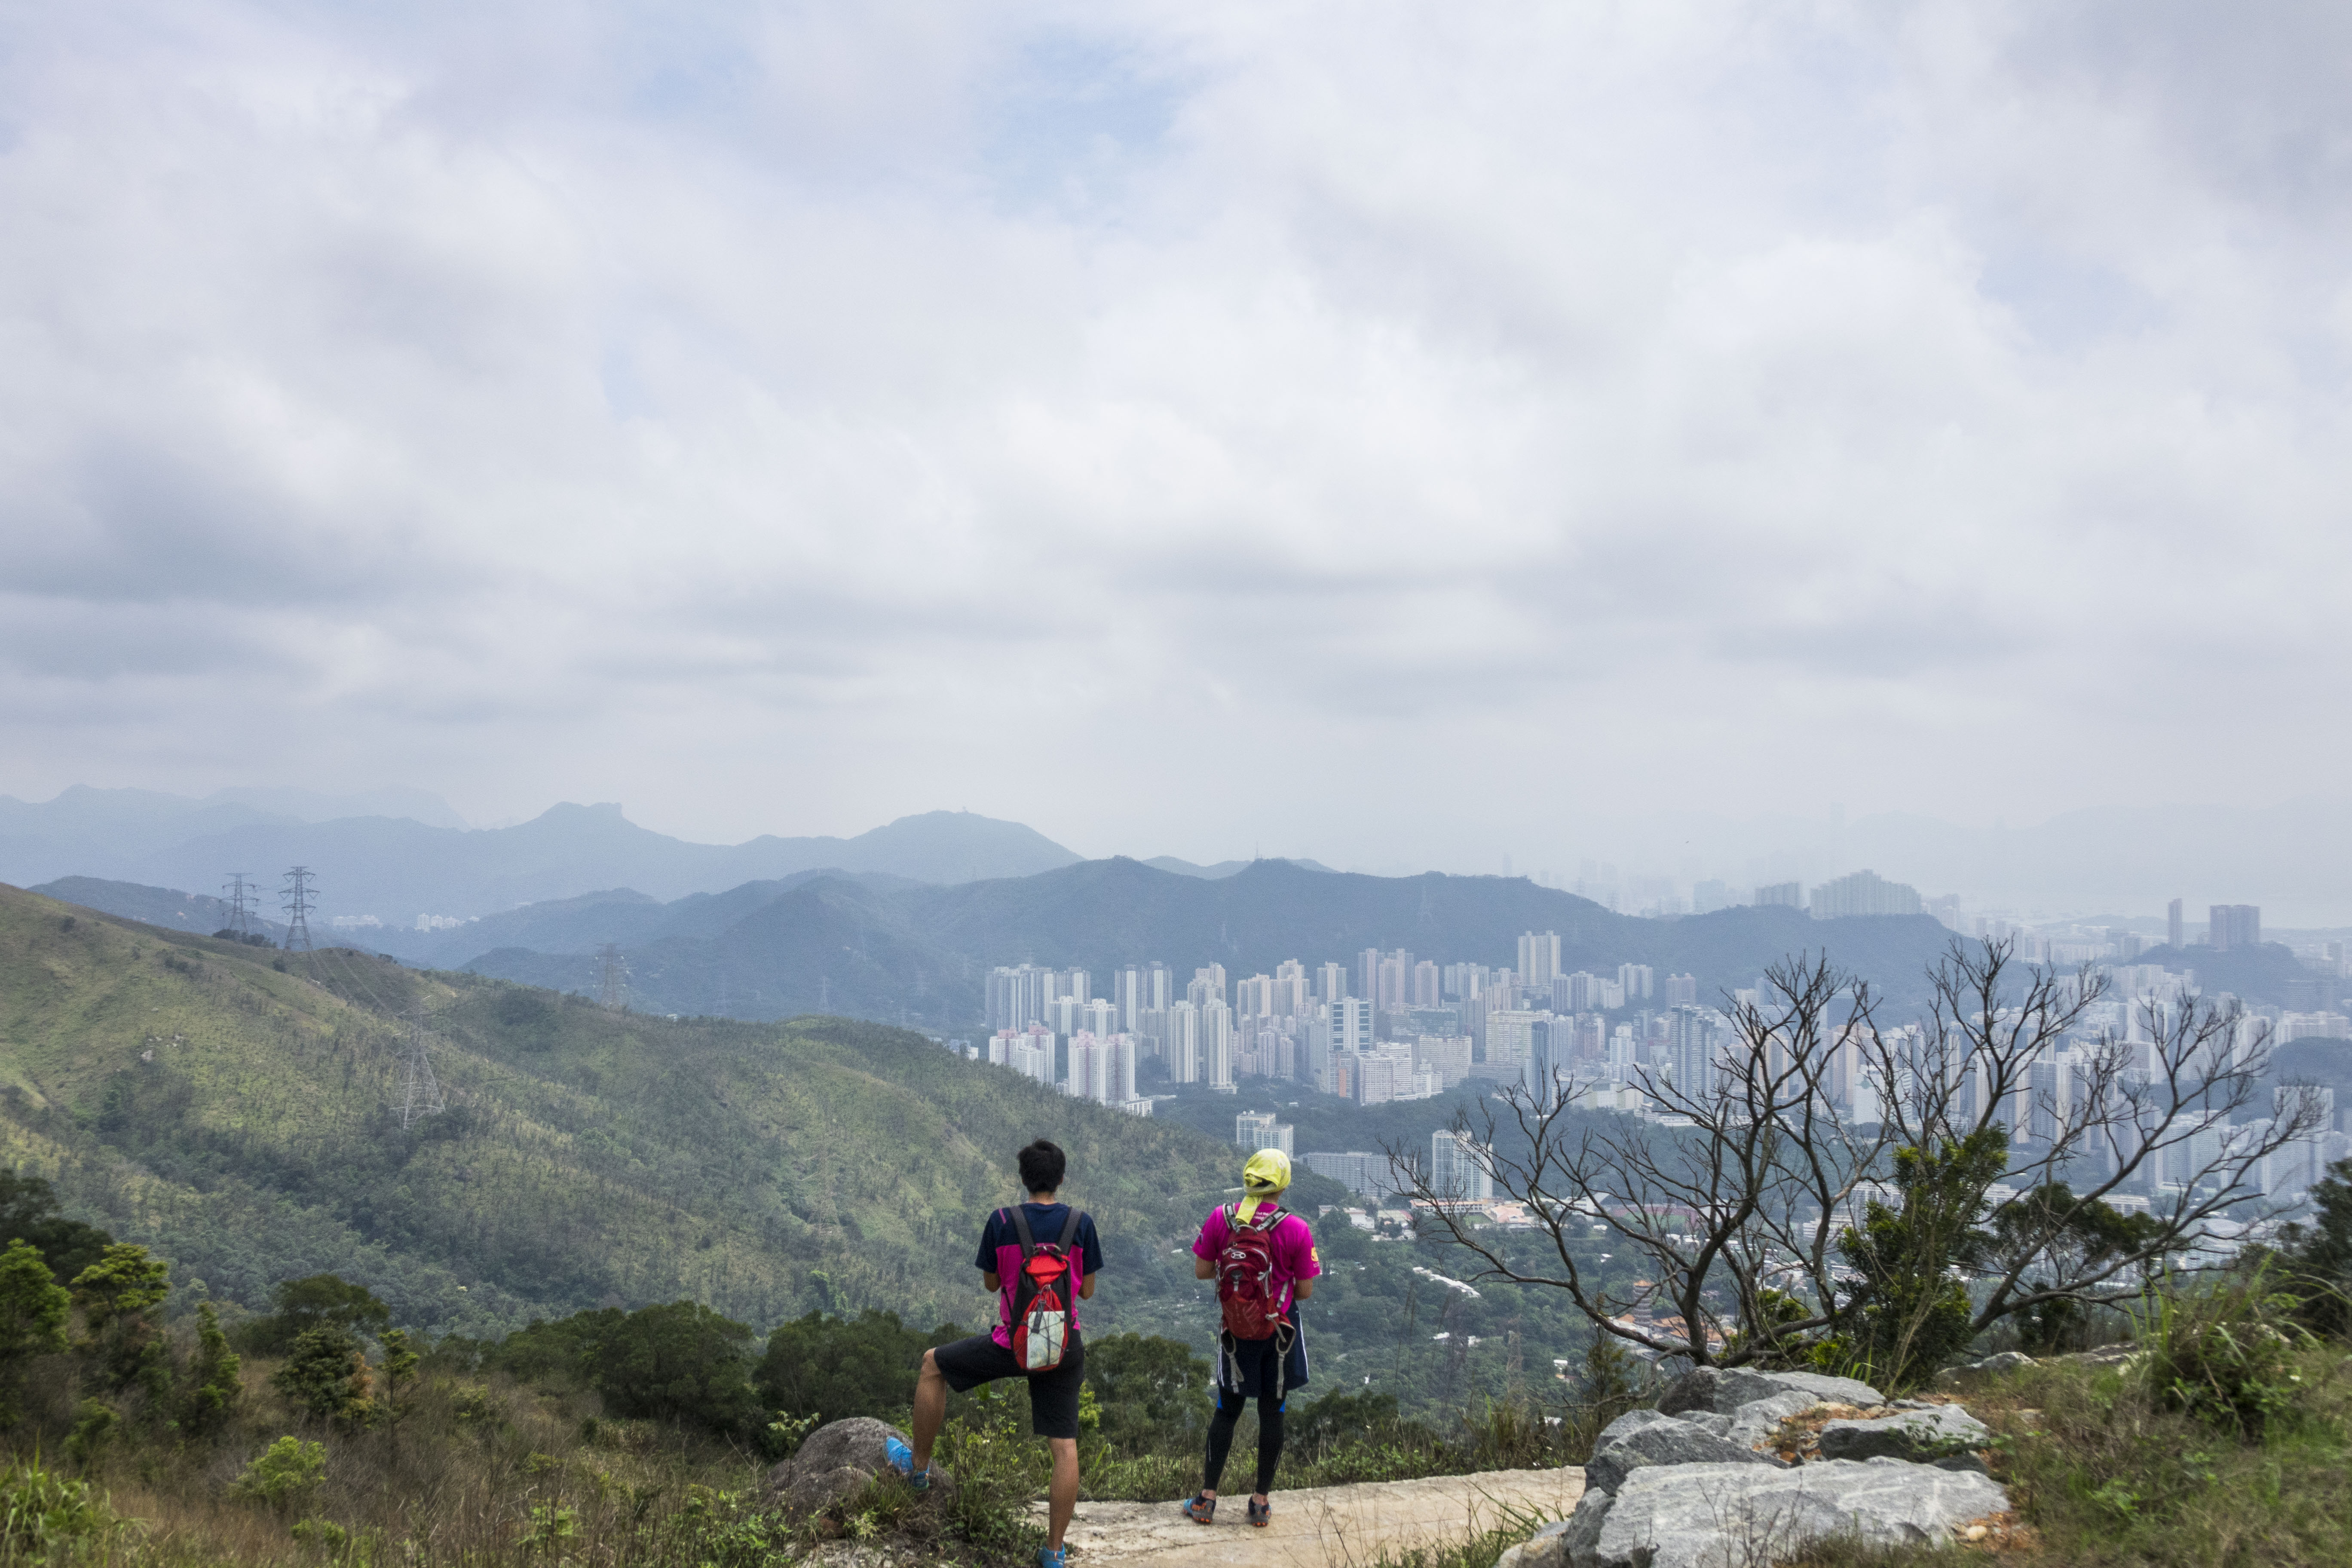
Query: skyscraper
[[1217, 1046], [1455, 1174], [1331, 982], [2173, 934], [1180, 1045], [2235, 925], [1538, 957]]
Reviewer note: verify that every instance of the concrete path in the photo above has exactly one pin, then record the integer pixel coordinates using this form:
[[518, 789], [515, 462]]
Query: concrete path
[[1323, 1527]]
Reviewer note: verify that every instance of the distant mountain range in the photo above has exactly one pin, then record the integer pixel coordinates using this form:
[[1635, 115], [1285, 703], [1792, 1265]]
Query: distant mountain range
[[876, 946], [396, 867]]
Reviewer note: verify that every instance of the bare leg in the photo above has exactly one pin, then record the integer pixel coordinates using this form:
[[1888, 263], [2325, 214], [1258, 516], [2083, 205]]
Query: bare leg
[[930, 1410], [1063, 1500]]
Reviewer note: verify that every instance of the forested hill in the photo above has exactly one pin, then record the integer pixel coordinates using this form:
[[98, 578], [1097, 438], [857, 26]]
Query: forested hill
[[920, 954], [236, 1109]]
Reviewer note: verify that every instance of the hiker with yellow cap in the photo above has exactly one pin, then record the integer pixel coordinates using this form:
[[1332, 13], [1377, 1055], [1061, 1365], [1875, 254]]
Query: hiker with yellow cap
[[1262, 1259]]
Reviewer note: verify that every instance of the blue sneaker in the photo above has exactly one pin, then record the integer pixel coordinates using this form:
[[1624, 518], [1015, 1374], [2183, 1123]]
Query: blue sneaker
[[902, 1459], [1053, 1557]]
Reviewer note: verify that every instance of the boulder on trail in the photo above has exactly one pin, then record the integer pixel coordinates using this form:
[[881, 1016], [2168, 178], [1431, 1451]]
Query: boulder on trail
[[836, 1460], [1938, 1430], [1724, 1516], [1547, 1548]]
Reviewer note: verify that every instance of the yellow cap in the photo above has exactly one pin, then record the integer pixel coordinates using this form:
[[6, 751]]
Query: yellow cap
[[1265, 1175]]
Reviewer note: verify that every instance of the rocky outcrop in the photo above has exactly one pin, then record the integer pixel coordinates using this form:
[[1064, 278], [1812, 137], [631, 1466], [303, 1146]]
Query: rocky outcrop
[[834, 1461], [1725, 1516], [1690, 1484]]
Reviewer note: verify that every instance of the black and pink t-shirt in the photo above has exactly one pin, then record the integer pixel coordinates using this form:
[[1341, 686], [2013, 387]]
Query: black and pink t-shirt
[[1292, 1242], [1000, 1254]]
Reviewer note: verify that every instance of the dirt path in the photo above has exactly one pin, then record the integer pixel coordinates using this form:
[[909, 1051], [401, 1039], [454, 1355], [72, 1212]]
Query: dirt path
[[1324, 1527]]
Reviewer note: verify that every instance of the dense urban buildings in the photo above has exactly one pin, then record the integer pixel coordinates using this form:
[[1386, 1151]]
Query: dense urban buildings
[[1388, 1025]]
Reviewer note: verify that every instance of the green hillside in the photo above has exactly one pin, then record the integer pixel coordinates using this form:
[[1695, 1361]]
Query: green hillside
[[240, 1118]]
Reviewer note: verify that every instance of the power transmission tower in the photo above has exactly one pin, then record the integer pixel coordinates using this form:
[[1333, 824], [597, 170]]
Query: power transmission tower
[[613, 977], [242, 897], [420, 1091], [297, 903]]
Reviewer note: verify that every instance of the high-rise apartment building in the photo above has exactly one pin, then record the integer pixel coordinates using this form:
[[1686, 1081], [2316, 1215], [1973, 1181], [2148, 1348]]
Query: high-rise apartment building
[[1140, 989], [1254, 997], [1331, 982], [1366, 981], [1017, 997], [1708, 897], [1864, 892], [1682, 991], [1253, 1129], [1693, 1038], [1338, 1026], [1426, 990], [1217, 1046], [1455, 1172], [1208, 985], [1510, 1035], [1538, 957], [1637, 982], [2234, 926], [1181, 1043], [1294, 994], [1781, 895]]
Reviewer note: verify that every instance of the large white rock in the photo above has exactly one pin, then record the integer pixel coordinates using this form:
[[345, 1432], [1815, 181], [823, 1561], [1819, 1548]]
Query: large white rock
[[1741, 1385], [1713, 1388], [1663, 1442], [1730, 1516], [1760, 1418]]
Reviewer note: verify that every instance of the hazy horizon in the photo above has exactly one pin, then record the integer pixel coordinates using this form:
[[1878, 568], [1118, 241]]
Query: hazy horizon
[[1394, 438]]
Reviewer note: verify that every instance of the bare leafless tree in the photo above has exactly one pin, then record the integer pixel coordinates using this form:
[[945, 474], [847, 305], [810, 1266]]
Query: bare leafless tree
[[1740, 1200], [1747, 1199]]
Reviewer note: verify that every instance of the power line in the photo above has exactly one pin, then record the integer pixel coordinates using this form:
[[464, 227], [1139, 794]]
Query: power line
[[297, 902]]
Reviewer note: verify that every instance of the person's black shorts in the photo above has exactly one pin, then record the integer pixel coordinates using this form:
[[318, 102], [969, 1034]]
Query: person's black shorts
[[1053, 1396]]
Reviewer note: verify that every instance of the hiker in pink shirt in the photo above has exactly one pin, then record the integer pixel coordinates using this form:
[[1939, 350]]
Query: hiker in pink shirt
[[1264, 1262]]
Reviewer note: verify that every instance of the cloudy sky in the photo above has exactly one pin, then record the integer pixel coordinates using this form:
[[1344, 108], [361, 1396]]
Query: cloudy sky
[[1406, 435]]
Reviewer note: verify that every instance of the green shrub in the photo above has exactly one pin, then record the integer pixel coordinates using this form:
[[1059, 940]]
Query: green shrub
[[284, 1475], [95, 1425], [326, 1375], [41, 1511], [836, 1367], [2227, 1354], [214, 1385]]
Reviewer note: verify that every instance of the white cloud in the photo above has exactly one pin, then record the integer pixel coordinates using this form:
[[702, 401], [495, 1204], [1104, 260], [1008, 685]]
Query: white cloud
[[1381, 434]]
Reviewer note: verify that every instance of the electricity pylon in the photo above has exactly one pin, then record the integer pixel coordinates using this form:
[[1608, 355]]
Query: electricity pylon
[[420, 1091], [297, 903], [242, 897], [613, 977]]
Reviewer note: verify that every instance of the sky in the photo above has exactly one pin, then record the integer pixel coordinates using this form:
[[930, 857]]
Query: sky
[[1391, 433]]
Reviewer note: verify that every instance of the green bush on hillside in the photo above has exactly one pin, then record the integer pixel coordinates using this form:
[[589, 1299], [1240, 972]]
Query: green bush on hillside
[[835, 1367]]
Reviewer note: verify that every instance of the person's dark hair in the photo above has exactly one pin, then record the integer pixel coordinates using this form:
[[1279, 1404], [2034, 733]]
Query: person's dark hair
[[1042, 1164]]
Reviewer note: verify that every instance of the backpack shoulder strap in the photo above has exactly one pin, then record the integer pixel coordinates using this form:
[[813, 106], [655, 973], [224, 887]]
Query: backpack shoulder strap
[[1020, 1226], [1071, 1220]]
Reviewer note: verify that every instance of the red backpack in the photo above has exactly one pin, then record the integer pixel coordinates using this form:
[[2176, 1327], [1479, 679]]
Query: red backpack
[[1246, 1290], [1041, 1294]]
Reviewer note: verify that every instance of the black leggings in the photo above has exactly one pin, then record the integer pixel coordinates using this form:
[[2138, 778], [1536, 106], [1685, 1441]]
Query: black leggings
[[1221, 1437]]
